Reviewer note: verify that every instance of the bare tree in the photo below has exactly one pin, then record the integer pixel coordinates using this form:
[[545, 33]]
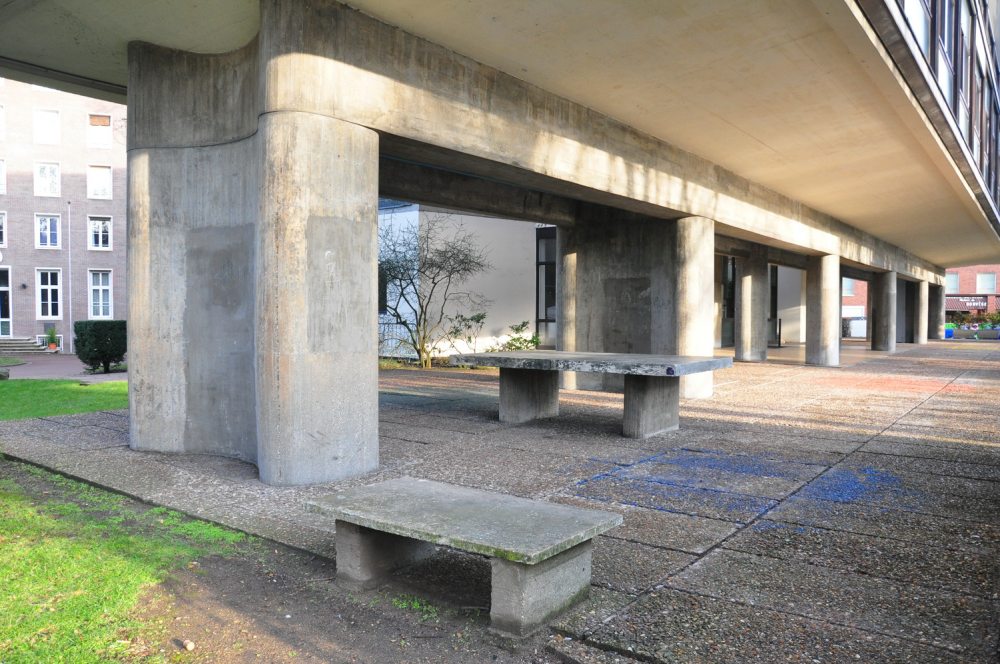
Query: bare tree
[[423, 267]]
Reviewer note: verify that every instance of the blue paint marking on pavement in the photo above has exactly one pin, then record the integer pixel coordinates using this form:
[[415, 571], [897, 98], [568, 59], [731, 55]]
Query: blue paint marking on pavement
[[845, 485], [744, 465], [668, 497]]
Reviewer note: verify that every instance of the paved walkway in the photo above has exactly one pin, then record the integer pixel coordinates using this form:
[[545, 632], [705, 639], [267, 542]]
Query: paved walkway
[[58, 365], [802, 514]]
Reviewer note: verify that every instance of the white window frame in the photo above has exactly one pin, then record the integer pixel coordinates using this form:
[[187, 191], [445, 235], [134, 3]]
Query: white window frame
[[38, 293], [91, 168], [47, 215], [3, 229], [102, 139], [90, 293], [984, 291], [3, 176], [58, 192], [958, 283], [35, 126], [91, 218]]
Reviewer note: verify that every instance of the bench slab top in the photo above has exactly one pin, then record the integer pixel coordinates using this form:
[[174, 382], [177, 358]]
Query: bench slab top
[[493, 524], [614, 363]]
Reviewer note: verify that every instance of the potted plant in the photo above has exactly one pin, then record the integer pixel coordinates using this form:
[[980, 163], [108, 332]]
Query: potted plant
[[51, 338]]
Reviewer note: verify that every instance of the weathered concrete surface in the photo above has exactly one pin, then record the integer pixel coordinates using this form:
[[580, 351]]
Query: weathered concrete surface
[[936, 312], [495, 525], [693, 310], [921, 314], [884, 311], [752, 296], [651, 405], [528, 394], [252, 244], [823, 311], [887, 551]]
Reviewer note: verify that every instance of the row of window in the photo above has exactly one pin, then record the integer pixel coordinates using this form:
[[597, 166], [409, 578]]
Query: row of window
[[48, 180], [48, 232], [47, 128], [49, 299], [986, 283], [954, 37]]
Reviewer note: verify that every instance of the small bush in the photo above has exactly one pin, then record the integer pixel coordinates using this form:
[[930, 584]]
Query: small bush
[[100, 343], [518, 339]]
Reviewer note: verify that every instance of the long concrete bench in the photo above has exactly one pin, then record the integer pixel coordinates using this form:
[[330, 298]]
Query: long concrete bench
[[540, 552], [529, 383]]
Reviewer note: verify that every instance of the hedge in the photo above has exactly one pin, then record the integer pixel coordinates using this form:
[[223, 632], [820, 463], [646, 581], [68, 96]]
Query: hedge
[[100, 343]]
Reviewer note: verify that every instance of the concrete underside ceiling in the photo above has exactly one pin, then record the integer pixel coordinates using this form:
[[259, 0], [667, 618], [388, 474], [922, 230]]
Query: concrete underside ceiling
[[792, 94]]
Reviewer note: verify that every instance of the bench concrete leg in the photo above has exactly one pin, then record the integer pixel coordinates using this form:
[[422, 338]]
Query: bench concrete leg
[[528, 394], [525, 597], [365, 557], [652, 405]]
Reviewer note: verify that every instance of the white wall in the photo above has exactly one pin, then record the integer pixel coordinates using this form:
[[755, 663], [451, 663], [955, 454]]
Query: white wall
[[792, 304], [509, 285]]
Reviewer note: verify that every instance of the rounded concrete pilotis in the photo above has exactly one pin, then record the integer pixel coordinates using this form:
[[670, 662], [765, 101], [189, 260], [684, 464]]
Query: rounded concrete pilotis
[[921, 317], [752, 295], [823, 310], [694, 310], [883, 312]]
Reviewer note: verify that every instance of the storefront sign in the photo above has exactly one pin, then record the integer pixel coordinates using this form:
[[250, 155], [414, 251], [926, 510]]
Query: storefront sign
[[965, 303]]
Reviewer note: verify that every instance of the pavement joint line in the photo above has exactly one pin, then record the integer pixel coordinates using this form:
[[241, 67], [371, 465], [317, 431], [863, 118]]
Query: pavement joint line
[[936, 474]]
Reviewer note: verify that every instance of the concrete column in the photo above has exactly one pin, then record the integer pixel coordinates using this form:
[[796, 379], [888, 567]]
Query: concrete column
[[751, 307], [316, 282], [884, 311], [936, 312], [615, 285], [694, 303], [566, 250], [921, 313], [823, 310]]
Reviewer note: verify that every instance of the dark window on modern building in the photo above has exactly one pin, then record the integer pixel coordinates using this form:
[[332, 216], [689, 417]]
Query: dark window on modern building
[[545, 280]]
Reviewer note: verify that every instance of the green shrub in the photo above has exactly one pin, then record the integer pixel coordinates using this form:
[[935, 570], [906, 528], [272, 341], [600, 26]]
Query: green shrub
[[100, 343], [518, 339]]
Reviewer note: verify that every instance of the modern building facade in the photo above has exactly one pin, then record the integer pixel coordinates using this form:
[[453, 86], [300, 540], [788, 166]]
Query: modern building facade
[[843, 138], [62, 211]]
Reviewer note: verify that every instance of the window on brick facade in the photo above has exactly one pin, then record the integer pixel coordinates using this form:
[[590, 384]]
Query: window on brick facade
[[48, 287], [99, 182], [3, 229], [99, 233], [47, 129], [986, 282], [951, 282], [47, 235], [48, 180], [100, 294], [847, 287], [99, 131]]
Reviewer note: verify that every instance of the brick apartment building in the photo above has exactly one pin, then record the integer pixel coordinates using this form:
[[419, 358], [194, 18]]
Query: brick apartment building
[[62, 211], [972, 289]]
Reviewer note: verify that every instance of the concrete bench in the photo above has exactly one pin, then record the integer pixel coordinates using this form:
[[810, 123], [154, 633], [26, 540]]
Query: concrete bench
[[529, 383], [540, 552]]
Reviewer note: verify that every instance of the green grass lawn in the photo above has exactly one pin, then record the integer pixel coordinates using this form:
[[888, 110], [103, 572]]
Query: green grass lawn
[[10, 361], [41, 398], [75, 560]]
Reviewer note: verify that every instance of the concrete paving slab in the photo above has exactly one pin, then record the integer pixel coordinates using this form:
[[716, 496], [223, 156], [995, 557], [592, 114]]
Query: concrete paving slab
[[884, 521], [908, 465], [799, 449], [631, 567], [673, 626], [982, 460], [954, 621], [670, 498], [682, 532], [110, 419], [601, 605], [751, 475], [961, 570], [930, 494]]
